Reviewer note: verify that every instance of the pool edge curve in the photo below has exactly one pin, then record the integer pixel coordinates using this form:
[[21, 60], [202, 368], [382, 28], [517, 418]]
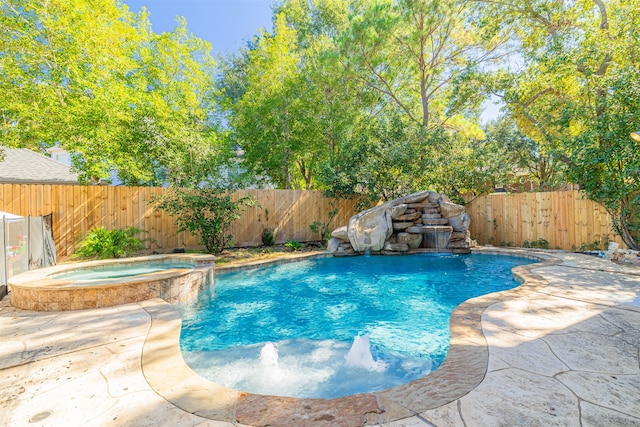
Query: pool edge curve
[[463, 369]]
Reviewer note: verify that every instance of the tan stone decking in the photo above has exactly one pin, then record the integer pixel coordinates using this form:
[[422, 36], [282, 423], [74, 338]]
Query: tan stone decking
[[562, 349]]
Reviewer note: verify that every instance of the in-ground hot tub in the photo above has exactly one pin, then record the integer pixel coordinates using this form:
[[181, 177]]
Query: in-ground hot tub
[[172, 277]]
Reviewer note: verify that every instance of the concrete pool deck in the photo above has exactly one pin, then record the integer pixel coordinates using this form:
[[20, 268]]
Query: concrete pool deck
[[563, 349]]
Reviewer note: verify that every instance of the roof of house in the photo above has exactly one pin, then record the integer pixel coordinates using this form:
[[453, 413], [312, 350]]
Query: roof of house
[[22, 166]]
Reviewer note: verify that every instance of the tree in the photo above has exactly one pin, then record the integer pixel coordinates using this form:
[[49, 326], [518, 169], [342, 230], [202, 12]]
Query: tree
[[293, 107], [264, 116], [310, 102], [423, 56], [332, 102], [372, 162], [512, 153], [172, 122], [418, 65], [577, 94], [63, 69], [604, 160], [94, 79]]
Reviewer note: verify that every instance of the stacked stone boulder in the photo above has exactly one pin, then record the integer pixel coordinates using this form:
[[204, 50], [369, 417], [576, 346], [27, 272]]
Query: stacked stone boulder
[[426, 221]]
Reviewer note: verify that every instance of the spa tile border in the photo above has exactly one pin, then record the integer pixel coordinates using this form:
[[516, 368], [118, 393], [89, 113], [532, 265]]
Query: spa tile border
[[462, 371], [36, 290]]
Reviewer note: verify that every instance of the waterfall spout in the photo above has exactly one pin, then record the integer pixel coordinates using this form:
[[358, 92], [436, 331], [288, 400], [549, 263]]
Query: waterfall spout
[[436, 237]]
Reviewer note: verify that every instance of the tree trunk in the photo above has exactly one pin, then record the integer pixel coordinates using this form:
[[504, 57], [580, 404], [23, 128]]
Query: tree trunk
[[287, 172], [306, 175], [627, 238]]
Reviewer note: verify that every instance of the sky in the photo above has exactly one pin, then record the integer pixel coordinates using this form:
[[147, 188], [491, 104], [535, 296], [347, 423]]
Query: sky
[[226, 24]]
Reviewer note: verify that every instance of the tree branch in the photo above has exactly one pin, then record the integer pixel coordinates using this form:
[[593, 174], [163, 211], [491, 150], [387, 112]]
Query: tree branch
[[604, 22], [388, 91], [535, 97]]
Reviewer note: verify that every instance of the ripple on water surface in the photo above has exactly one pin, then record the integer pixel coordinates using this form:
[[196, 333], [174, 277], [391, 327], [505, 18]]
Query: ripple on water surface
[[332, 327]]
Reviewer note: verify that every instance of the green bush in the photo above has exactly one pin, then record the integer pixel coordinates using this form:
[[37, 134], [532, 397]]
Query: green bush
[[540, 244], [102, 243], [322, 228], [205, 212], [268, 237], [294, 245]]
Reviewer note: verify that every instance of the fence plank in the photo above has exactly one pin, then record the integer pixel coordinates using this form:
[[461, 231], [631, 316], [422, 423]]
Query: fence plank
[[566, 219], [78, 209]]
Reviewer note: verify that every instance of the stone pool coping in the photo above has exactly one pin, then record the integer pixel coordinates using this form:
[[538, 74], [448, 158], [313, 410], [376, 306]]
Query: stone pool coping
[[462, 371], [37, 290]]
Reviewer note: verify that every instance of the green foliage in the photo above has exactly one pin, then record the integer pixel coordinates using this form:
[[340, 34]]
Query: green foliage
[[322, 228], [506, 152], [540, 244], [268, 237], [205, 212], [102, 243], [420, 92], [94, 79], [368, 98], [265, 114], [605, 161], [268, 234], [594, 246], [294, 245], [288, 103], [577, 95], [372, 163], [388, 158]]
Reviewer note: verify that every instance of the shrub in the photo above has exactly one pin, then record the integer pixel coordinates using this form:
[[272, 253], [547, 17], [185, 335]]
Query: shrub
[[323, 227], [319, 227], [102, 243], [206, 213], [540, 244], [294, 245], [595, 246], [268, 237]]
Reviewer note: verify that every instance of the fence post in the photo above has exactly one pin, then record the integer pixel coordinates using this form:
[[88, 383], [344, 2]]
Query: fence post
[[4, 286], [28, 242]]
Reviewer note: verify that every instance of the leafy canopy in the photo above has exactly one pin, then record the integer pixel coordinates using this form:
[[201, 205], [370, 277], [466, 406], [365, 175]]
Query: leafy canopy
[[94, 79]]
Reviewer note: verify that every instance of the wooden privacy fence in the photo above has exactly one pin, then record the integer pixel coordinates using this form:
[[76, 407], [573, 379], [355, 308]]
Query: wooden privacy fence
[[565, 219], [76, 209]]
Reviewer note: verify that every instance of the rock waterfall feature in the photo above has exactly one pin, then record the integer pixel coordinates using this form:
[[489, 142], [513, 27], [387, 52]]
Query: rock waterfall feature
[[421, 222]]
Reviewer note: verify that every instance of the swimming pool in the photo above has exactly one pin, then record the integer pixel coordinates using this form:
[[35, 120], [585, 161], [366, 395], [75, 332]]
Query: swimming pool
[[335, 326]]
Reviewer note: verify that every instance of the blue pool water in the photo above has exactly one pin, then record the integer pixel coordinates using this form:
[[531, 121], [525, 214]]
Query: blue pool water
[[115, 271], [334, 326]]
